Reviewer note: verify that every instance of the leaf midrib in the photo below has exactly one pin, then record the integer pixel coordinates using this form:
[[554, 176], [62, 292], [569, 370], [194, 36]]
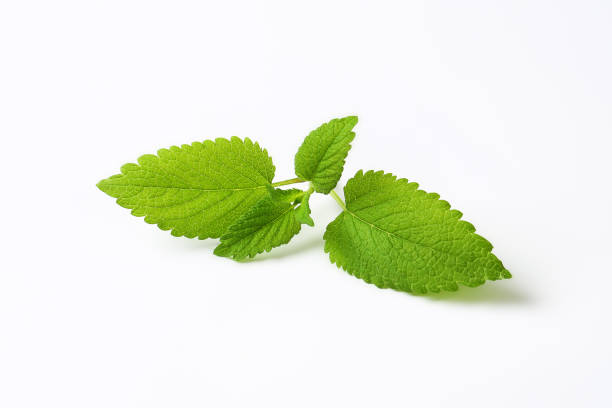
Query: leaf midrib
[[187, 188], [398, 236]]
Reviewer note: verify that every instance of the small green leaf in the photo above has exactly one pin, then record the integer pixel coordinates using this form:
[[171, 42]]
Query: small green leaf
[[302, 213], [320, 159], [396, 236], [268, 224], [195, 190], [287, 196]]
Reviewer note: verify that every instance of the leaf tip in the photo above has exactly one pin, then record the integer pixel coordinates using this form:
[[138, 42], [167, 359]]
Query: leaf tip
[[220, 250], [352, 119], [105, 184]]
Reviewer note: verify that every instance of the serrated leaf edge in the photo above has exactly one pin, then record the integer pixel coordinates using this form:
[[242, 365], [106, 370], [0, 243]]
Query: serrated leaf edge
[[126, 167], [505, 274]]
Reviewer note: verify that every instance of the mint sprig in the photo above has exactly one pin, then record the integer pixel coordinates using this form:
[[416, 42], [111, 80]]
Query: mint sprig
[[389, 233]]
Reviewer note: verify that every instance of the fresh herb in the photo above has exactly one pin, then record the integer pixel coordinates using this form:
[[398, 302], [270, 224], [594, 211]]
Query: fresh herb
[[389, 233]]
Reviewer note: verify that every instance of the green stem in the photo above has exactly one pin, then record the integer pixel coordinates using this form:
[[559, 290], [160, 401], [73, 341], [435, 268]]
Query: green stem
[[338, 199], [290, 181]]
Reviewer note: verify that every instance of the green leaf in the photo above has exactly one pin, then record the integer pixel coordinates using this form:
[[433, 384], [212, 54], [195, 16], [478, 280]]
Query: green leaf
[[287, 196], [270, 223], [396, 236], [320, 159], [195, 190], [302, 213]]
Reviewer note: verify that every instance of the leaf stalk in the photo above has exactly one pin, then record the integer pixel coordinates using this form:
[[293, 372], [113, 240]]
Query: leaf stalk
[[336, 197], [290, 181]]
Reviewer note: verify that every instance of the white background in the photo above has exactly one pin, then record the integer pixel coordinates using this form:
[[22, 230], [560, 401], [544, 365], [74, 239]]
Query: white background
[[504, 108]]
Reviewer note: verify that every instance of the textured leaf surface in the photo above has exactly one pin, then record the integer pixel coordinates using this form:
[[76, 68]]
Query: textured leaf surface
[[195, 190], [270, 223], [396, 236], [321, 157]]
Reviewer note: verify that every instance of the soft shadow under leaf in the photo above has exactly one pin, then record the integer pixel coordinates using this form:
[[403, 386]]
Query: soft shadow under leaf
[[490, 292]]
